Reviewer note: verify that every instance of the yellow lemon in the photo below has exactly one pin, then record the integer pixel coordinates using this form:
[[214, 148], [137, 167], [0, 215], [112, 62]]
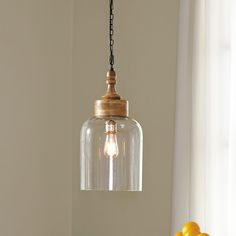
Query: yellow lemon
[[203, 234], [192, 233], [191, 227], [179, 234]]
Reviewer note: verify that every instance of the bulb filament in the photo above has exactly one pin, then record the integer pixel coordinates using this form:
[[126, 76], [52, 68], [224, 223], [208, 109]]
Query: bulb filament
[[111, 149], [111, 146]]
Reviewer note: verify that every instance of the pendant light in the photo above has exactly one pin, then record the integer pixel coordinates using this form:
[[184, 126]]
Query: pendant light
[[111, 145]]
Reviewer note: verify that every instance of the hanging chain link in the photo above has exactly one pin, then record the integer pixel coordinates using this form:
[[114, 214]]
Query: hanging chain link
[[111, 33]]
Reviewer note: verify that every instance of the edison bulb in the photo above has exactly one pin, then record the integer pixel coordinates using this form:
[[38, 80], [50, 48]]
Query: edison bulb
[[111, 145]]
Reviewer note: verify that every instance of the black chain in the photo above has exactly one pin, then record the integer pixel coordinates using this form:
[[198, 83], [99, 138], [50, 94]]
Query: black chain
[[111, 33]]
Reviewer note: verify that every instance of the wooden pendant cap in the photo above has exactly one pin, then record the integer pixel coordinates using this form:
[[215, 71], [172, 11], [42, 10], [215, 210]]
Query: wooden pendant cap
[[111, 103]]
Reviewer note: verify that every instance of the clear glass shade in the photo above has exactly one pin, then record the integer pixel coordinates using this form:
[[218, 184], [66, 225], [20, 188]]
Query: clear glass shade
[[111, 154]]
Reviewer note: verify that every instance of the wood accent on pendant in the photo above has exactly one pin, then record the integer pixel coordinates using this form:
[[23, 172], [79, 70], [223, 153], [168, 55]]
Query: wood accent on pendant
[[111, 86], [111, 103]]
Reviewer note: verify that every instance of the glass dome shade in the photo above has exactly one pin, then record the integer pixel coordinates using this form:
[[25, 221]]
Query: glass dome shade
[[111, 154]]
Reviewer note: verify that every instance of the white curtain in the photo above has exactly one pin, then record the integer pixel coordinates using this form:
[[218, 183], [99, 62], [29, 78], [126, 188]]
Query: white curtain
[[204, 187]]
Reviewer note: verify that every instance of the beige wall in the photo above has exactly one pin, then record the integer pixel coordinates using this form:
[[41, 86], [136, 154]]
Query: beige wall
[[145, 50], [37, 110], [35, 117]]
